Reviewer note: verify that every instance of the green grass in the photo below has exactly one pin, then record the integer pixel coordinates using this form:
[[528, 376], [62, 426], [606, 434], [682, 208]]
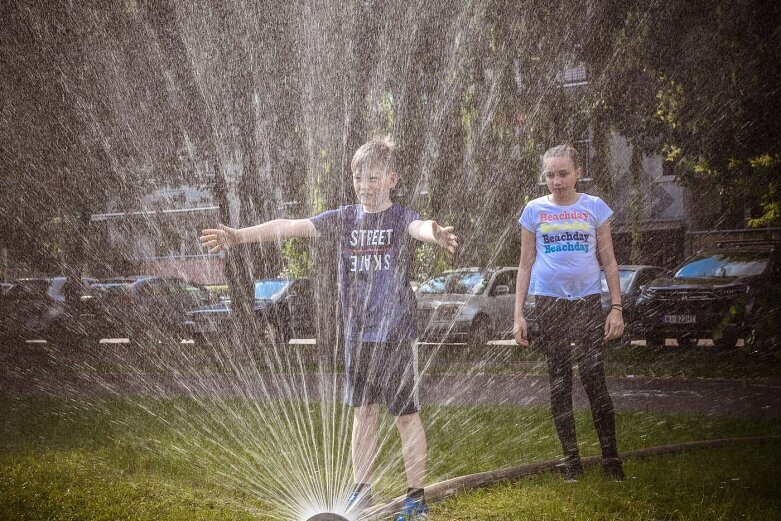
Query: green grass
[[694, 362], [151, 459], [712, 484]]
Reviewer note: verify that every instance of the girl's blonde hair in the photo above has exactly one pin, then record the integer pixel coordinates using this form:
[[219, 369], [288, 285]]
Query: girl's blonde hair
[[566, 150]]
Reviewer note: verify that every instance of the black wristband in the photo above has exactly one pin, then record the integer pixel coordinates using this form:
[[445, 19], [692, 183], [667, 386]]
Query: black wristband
[[617, 306]]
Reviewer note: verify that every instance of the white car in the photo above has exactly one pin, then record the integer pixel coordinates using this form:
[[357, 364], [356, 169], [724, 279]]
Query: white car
[[471, 305]]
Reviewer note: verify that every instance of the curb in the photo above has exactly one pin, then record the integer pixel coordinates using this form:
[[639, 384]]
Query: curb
[[444, 489]]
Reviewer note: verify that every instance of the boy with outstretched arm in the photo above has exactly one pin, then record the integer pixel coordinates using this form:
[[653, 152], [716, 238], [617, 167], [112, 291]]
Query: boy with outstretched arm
[[377, 239]]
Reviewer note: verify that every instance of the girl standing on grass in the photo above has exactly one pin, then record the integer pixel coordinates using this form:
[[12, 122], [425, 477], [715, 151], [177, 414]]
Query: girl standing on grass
[[564, 237]]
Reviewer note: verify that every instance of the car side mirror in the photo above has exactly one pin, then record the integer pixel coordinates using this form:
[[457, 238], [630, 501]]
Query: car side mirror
[[501, 290]]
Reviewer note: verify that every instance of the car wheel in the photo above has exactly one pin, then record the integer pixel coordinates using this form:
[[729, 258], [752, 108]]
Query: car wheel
[[7, 339], [480, 332], [276, 334], [727, 340], [654, 340], [65, 338], [284, 334], [685, 340]]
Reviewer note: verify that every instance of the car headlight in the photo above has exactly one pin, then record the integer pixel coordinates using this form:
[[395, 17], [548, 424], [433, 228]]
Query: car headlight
[[647, 293], [447, 312]]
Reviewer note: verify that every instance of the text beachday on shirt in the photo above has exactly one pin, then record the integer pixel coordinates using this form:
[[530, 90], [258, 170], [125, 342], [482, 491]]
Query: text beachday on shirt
[[566, 264]]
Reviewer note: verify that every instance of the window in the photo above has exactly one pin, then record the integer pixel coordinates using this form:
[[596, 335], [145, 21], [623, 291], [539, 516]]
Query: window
[[624, 280], [668, 169], [270, 289], [725, 265], [505, 278], [457, 282], [574, 76], [584, 149]]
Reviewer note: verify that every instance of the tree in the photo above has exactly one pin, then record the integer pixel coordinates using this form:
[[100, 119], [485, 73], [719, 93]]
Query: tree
[[695, 82]]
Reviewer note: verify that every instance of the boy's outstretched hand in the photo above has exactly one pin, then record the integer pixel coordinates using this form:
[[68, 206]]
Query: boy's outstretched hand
[[219, 239], [444, 236]]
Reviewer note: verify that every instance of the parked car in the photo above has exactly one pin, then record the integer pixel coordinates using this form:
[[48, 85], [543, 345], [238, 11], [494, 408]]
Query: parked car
[[146, 306], [716, 295], [51, 308], [470, 305], [631, 278], [283, 307]]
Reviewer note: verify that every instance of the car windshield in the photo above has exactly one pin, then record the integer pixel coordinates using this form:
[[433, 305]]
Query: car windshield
[[624, 278], [457, 282], [29, 289], [724, 265], [270, 289]]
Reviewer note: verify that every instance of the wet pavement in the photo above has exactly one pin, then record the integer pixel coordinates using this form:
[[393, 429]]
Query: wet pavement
[[672, 395], [54, 372]]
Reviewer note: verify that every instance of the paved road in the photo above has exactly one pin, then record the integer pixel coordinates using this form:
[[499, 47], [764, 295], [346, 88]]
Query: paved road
[[52, 372], [663, 394]]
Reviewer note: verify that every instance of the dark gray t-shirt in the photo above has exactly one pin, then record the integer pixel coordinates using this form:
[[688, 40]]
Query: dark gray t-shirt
[[378, 303]]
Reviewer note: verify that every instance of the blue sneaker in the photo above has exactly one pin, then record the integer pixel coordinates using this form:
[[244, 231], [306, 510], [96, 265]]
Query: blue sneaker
[[359, 500], [413, 509]]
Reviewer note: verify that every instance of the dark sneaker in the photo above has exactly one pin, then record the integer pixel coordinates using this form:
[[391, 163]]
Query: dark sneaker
[[413, 509], [613, 468], [571, 468], [359, 500]]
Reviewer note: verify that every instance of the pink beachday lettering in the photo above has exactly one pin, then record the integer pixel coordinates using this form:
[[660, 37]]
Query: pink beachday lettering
[[563, 216]]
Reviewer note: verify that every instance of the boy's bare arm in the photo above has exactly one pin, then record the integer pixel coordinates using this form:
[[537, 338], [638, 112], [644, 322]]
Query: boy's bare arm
[[222, 238], [432, 233]]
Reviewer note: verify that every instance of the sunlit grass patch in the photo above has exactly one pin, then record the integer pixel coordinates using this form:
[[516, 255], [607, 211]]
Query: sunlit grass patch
[[145, 458], [99, 485]]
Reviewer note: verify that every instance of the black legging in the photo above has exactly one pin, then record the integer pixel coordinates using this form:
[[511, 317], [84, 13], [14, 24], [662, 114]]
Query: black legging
[[563, 322]]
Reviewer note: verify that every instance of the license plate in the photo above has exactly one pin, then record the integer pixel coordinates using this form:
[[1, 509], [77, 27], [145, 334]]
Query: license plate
[[680, 319]]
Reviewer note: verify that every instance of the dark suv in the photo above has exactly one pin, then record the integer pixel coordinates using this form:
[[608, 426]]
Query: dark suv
[[52, 308], [718, 295], [283, 308], [147, 306]]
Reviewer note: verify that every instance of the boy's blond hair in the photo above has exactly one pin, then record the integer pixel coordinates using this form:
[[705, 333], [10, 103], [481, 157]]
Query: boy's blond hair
[[376, 154]]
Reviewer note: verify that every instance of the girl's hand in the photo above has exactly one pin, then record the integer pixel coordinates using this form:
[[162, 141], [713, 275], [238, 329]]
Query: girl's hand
[[614, 324], [444, 237], [521, 332], [219, 239]]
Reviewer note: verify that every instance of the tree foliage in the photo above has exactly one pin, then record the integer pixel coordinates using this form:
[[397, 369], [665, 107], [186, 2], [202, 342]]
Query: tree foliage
[[698, 82], [106, 100]]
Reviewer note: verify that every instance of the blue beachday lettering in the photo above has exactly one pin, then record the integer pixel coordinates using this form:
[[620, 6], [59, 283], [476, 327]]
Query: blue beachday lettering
[[567, 246]]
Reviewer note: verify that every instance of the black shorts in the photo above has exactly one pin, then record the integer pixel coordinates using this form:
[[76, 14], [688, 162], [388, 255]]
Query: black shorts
[[384, 372]]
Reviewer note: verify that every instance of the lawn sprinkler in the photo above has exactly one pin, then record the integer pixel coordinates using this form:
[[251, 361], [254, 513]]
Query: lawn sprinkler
[[327, 516]]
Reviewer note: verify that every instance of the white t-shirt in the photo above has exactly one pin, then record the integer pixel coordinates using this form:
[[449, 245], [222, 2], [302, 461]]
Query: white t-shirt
[[566, 264]]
